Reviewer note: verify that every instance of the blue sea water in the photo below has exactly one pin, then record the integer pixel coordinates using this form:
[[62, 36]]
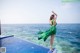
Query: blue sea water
[[67, 38]]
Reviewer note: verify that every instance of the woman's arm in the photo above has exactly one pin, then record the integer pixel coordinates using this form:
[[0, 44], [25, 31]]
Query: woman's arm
[[54, 14]]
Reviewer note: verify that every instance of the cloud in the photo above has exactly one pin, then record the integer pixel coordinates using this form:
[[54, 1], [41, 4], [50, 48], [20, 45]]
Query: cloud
[[66, 6]]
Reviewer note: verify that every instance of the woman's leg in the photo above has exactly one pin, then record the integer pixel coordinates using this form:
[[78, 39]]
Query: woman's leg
[[51, 41]]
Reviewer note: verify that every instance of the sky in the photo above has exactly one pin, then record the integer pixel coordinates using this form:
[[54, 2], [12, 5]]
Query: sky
[[38, 11]]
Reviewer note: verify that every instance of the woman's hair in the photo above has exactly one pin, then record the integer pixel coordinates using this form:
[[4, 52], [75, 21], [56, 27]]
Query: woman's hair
[[52, 17]]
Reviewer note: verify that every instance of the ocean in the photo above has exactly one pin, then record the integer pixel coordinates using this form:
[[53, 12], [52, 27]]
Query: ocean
[[67, 38]]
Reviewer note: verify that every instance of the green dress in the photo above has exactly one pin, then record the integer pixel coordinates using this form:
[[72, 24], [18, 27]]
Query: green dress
[[46, 34]]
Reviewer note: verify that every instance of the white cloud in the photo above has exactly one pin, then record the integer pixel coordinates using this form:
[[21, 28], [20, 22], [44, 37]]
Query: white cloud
[[66, 6]]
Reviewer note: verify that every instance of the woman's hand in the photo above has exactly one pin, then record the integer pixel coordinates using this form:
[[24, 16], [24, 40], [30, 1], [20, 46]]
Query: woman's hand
[[52, 11]]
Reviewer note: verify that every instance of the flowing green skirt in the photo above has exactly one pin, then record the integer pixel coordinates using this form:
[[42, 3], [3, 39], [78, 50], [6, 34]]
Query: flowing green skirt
[[46, 34]]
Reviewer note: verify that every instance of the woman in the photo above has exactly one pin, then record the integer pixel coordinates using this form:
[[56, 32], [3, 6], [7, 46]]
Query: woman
[[52, 23], [51, 32]]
